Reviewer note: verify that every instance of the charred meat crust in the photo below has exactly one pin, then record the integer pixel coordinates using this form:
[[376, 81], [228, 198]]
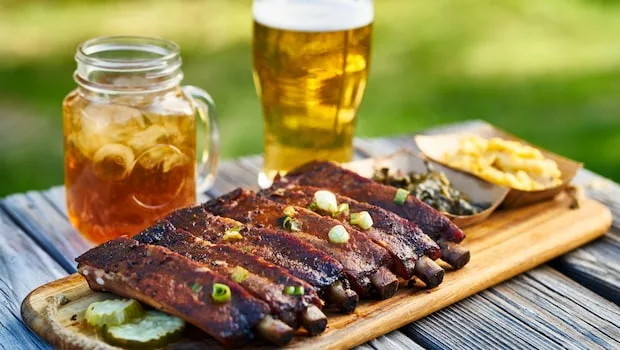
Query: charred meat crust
[[402, 238], [173, 284], [265, 280], [360, 256], [348, 183], [296, 256], [332, 177]]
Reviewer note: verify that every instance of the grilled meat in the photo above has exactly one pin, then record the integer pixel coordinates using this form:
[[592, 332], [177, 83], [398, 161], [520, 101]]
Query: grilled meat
[[177, 285], [262, 279], [332, 177], [365, 263], [296, 256], [413, 251]]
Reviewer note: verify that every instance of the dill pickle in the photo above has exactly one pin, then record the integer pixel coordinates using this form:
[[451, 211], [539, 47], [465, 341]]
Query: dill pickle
[[113, 312], [154, 330]]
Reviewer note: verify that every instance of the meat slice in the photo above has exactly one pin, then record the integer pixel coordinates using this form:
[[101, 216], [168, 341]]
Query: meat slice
[[175, 284], [262, 279], [330, 176], [365, 263], [296, 256], [413, 251]]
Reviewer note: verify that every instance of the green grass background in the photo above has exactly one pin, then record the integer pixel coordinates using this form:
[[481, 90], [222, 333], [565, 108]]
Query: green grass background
[[548, 71]]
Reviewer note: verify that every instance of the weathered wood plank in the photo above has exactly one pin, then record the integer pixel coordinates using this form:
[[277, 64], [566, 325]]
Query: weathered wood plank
[[396, 340], [47, 226], [23, 267], [539, 309]]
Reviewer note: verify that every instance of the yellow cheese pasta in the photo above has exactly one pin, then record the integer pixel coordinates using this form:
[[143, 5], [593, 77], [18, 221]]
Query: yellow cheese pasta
[[504, 162]]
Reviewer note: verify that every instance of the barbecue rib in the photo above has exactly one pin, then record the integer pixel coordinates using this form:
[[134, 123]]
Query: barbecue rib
[[175, 284], [265, 281], [332, 177], [365, 263], [296, 256], [412, 251]]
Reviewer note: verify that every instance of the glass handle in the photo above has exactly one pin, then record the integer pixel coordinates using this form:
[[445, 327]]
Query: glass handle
[[207, 137]]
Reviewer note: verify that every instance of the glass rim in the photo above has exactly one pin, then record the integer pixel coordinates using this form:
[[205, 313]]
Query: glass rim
[[165, 52]]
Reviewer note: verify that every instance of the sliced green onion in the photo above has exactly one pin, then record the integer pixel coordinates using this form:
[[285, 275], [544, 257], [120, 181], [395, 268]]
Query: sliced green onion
[[291, 224], [294, 290], [343, 208], [313, 206], [326, 200], [362, 219], [221, 293], [401, 196], [299, 290], [338, 234], [232, 234], [290, 211], [196, 288], [239, 274]]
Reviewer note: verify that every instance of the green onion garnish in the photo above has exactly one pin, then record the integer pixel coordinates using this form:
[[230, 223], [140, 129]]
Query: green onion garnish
[[326, 201], [239, 274], [196, 288], [362, 219], [232, 234], [291, 224], [290, 211], [338, 234], [313, 206], [221, 293], [343, 208], [401, 196], [294, 290], [299, 290]]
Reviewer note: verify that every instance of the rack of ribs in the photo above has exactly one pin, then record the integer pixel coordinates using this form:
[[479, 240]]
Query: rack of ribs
[[262, 279], [278, 247], [413, 252], [365, 263], [330, 176], [179, 286]]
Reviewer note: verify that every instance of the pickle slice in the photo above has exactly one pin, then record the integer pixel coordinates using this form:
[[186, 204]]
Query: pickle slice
[[154, 330], [113, 312]]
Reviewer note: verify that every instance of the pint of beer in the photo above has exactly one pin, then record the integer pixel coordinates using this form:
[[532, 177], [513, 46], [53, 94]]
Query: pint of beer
[[311, 60]]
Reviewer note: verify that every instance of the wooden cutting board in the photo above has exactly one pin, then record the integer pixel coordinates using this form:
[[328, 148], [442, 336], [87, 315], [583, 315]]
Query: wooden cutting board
[[507, 244]]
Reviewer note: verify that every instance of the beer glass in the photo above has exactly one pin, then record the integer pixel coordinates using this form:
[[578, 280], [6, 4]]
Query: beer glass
[[311, 61], [133, 137]]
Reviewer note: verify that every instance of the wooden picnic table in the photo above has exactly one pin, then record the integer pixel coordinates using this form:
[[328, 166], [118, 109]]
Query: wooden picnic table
[[571, 302]]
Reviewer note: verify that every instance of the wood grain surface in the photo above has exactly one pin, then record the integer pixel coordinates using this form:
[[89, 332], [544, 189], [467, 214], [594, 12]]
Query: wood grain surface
[[509, 243], [23, 266]]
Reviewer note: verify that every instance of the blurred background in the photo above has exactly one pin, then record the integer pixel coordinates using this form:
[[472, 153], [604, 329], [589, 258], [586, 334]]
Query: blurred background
[[548, 71]]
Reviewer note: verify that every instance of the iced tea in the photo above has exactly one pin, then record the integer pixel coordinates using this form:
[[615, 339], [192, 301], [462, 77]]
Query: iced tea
[[128, 161]]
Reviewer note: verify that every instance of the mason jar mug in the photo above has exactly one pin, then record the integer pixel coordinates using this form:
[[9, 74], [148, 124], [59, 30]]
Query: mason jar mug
[[137, 144]]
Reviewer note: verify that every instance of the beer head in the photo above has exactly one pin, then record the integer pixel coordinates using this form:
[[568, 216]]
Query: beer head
[[313, 15]]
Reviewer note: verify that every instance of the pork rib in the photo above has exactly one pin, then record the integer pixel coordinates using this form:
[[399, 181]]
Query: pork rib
[[365, 263], [332, 177], [265, 281], [413, 251], [175, 284], [296, 256]]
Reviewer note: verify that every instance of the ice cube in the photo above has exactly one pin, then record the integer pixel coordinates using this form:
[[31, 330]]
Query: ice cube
[[102, 124], [153, 135]]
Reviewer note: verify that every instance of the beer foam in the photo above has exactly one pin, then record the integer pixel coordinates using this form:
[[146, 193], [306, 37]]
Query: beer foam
[[313, 15]]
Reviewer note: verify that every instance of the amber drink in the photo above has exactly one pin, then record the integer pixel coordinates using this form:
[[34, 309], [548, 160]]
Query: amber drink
[[311, 61], [130, 153]]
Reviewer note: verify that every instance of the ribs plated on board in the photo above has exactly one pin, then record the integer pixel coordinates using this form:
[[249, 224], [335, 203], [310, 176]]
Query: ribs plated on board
[[320, 237]]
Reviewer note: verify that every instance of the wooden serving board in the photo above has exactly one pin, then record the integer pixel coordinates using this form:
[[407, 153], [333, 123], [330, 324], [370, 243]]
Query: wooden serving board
[[507, 244]]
